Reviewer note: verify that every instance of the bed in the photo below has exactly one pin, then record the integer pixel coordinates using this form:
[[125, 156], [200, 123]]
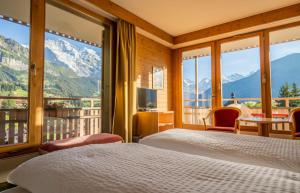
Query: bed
[[256, 150], [137, 168]]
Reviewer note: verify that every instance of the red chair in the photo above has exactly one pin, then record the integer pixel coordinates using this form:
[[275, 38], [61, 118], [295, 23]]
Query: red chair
[[223, 119], [294, 119]]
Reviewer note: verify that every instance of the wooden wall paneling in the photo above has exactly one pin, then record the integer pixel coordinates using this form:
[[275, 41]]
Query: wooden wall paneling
[[255, 20], [36, 61], [149, 54]]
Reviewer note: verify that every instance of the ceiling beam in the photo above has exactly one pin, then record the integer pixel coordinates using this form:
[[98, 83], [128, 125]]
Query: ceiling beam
[[122, 13], [75, 9], [259, 19]]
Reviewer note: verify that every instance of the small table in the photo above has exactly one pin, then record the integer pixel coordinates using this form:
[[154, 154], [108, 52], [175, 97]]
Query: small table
[[260, 121]]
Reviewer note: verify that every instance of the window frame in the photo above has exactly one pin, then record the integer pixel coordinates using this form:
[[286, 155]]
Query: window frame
[[36, 72], [265, 68]]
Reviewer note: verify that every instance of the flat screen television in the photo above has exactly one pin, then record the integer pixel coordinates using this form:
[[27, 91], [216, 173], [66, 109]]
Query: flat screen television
[[146, 99]]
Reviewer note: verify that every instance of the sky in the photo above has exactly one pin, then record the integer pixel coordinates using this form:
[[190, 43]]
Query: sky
[[242, 62]]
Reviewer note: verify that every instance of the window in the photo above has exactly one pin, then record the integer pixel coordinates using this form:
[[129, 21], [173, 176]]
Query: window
[[197, 84], [240, 75], [285, 68], [72, 75], [14, 68]]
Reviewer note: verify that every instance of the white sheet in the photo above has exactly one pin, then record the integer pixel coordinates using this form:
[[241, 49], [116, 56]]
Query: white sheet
[[136, 168], [256, 150], [15, 190]]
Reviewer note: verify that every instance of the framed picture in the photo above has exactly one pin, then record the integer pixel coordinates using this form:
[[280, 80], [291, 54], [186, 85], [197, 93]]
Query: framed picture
[[157, 77]]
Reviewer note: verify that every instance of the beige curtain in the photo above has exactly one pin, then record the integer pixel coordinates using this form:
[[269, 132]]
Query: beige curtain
[[125, 81]]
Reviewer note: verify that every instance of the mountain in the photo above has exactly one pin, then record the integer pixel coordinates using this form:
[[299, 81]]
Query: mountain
[[283, 70], [231, 78], [83, 61], [205, 83], [70, 70]]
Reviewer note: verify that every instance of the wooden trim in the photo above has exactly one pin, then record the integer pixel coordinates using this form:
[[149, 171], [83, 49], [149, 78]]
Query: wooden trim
[[280, 27], [107, 81], [80, 10], [197, 46], [36, 57], [177, 87], [17, 150], [239, 37], [255, 20], [214, 79], [6, 151], [217, 77], [266, 74], [122, 13]]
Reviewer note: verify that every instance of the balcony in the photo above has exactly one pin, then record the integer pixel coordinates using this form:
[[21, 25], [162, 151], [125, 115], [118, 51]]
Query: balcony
[[281, 107], [63, 118]]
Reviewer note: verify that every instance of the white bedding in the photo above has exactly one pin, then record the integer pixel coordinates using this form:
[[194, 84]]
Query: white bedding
[[136, 168], [256, 150]]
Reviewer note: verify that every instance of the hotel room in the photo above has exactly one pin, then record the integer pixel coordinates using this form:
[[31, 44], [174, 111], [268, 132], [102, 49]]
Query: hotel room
[[149, 96]]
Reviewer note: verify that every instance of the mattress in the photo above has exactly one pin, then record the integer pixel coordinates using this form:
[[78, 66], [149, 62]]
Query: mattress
[[136, 168], [15, 190], [256, 150]]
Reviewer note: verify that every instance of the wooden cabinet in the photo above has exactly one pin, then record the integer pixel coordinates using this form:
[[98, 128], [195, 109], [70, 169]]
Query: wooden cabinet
[[149, 123]]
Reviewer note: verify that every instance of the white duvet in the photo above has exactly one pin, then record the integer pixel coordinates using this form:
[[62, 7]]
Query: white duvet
[[136, 168], [256, 150]]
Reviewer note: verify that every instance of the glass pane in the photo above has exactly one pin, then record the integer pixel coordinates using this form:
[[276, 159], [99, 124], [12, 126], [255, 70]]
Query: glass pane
[[240, 62], [14, 57], [196, 85], [73, 74], [285, 69]]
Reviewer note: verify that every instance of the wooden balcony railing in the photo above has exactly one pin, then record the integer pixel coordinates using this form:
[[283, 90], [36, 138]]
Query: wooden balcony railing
[[193, 114], [82, 116]]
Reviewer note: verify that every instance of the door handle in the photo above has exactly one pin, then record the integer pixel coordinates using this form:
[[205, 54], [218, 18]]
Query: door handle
[[33, 68]]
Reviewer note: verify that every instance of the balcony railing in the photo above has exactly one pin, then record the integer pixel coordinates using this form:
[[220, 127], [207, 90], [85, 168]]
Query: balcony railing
[[193, 114], [63, 118]]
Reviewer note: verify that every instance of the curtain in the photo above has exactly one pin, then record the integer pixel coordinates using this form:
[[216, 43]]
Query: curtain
[[125, 81]]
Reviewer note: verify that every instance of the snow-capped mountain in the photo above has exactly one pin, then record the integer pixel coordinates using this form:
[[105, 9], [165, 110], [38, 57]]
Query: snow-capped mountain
[[233, 77], [83, 61]]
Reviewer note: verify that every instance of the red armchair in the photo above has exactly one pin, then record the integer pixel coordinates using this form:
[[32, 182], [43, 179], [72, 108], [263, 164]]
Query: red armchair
[[294, 119], [223, 119]]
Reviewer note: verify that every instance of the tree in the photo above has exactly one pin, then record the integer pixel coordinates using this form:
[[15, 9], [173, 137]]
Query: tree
[[287, 91], [295, 92], [283, 93]]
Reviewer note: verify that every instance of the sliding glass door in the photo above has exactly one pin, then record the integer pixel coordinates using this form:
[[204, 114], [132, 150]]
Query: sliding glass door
[[14, 71], [72, 75], [197, 85], [240, 75], [285, 69]]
